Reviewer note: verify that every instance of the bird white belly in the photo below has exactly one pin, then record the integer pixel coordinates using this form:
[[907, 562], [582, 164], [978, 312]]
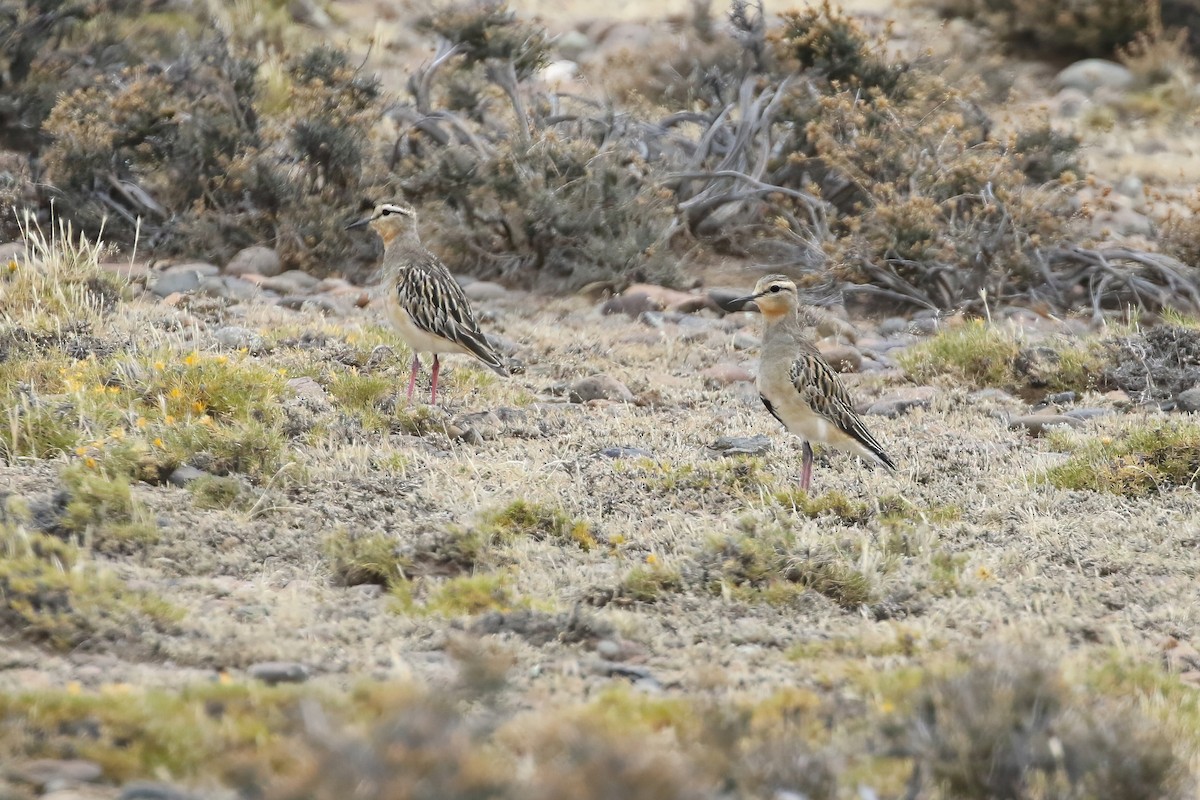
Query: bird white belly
[[798, 417], [419, 340]]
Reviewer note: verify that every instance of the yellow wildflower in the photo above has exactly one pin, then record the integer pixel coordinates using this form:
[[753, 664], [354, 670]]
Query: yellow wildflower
[[192, 359]]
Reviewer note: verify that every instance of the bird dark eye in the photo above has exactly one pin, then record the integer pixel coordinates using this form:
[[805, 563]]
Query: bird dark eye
[[774, 290]]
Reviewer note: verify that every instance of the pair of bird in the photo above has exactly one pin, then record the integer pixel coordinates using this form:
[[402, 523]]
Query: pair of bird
[[795, 382]]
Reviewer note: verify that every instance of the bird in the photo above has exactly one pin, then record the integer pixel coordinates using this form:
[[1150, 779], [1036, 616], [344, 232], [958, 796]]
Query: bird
[[798, 386], [423, 301]]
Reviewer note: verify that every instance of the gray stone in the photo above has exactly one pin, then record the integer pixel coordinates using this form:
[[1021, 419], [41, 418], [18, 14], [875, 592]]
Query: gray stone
[[746, 341], [170, 283], [621, 451], [899, 405], [1188, 400], [1061, 398], [1038, 424], [723, 299], [259, 260], [572, 44], [892, 325], [1087, 413], [54, 773], [13, 251], [1092, 74], [273, 672], [307, 387], [152, 790], [240, 289], [205, 269], [211, 286], [476, 426], [185, 474], [724, 374], [294, 281], [842, 357], [599, 387], [231, 337], [741, 445]]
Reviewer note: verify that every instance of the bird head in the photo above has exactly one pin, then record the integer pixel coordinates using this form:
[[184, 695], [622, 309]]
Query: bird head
[[389, 220], [774, 295]]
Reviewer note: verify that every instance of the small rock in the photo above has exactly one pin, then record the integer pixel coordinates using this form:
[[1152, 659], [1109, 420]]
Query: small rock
[[621, 451], [175, 283], [900, 404], [723, 299], [484, 290], [1070, 103], [572, 44], [204, 269], [842, 357], [633, 305], [232, 337], [49, 774], [483, 424], [1188, 400], [599, 387], [724, 374], [892, 326], [1087, 413], [241, 289], [1092, 74], [185, 474], [13, 252], [741, 445], [152, 790], [1038, 424], [307, 387], [1131, 186], [1061, 398], [259, 260], [273, 672], [746, 341], [294, 281], [991, 396]]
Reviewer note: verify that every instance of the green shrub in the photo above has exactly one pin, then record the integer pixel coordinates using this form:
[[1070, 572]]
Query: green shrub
[[1144, 459]]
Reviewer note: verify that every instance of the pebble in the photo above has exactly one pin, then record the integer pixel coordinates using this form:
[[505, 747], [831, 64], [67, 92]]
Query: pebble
[[294, 281], [741, 445], [633, 305], [152, 790], [746, 341], [259, 260], [175, 282], [599, 387], [475, 427], [49, 774], [842, 357], [203, 268], [241, 289], [991, 396], [231, 337], [1038, 424], [273, 672], [621, 451], [1092, 74], [724, 374], [1188, 400], [307, 387], [1087, 413], [723, 299], [898, 405], [184, 474], [1061, 398]]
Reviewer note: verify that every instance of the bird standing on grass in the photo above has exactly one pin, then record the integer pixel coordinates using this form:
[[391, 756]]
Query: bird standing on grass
[[798, 386], [424, 302]]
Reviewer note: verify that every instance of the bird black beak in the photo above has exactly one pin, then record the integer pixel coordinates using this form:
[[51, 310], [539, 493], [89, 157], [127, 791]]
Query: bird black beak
[[740, 303], [358, 223]]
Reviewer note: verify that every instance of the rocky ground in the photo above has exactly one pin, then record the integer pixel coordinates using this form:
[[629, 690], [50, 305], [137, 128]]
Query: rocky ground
[[615, 529]]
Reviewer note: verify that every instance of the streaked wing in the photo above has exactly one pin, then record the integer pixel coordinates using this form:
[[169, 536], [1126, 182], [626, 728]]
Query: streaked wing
[[438, 305], [820, 387]]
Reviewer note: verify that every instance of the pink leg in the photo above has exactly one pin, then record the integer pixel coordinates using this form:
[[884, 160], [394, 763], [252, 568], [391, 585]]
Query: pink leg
[[412, 379], [433, 392], [806, 470]]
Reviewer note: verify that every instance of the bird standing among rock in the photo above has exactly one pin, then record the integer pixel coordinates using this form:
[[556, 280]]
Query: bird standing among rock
[[798, 386], [424, 302]]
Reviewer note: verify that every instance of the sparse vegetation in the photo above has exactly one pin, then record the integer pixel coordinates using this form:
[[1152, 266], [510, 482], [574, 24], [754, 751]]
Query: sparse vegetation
[[1144, 458], [981, 355], [522, 518]]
